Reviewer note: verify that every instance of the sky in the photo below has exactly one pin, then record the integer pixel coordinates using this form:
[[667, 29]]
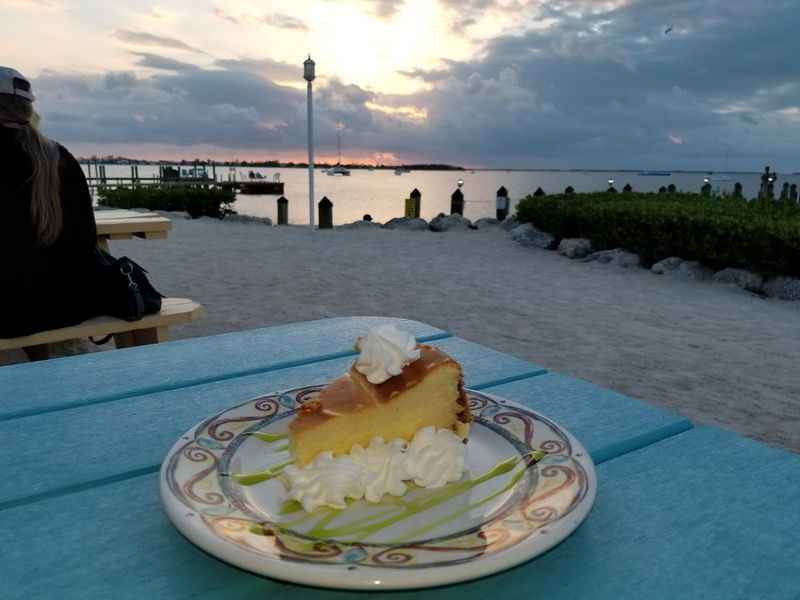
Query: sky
[[607, 84]]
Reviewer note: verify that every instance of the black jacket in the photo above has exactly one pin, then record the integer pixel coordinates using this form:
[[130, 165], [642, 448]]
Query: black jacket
[[43, 287]]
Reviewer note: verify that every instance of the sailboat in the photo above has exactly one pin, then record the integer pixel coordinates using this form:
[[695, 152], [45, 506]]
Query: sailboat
[[338, 169]]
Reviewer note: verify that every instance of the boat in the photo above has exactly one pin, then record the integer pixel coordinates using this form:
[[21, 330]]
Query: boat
[[401, 170], [655, 174], [338, 169]]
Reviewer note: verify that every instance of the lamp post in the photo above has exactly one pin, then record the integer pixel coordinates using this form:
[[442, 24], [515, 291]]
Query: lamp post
[[308, 75]]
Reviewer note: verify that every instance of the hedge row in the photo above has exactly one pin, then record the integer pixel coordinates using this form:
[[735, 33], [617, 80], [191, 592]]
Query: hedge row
[[719, 232], [198, 201]]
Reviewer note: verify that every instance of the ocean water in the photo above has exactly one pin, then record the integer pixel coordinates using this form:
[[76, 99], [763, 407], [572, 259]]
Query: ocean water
[[382, 194]]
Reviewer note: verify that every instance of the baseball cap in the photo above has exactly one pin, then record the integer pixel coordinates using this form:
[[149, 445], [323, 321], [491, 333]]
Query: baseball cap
[[14, 83]]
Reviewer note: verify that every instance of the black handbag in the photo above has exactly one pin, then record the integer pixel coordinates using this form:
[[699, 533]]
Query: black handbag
[[123, 288]]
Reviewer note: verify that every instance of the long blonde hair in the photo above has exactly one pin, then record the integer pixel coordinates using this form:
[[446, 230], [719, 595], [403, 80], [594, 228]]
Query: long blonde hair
[[47, 216]]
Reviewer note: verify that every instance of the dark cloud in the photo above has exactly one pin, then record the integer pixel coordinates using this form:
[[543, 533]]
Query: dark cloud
[[163, 63], [263, 67], [142, 38], [601, 86]]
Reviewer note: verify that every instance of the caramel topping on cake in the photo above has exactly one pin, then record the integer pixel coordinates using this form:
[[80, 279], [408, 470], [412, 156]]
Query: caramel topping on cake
[[352, 392]]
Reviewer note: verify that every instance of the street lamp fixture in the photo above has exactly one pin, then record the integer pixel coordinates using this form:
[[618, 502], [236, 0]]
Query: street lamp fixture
[[610, 182], [460, 182], [308, 69]]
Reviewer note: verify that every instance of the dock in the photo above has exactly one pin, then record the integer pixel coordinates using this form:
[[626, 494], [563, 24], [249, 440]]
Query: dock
[[180, 176]]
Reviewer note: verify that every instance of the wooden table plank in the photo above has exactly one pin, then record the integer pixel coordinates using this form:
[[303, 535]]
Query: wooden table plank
[[138, 431], [30, 388], [703, 514], [608, 424], [112, 213]]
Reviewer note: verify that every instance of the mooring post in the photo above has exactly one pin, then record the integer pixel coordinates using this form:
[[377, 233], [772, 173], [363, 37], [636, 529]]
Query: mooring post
[[283, 211], [413, 204], [502, 203], [457, 203], [325, 213]]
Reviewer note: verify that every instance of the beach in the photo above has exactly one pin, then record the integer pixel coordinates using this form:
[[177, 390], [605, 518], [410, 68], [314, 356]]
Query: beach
[[713, 353]]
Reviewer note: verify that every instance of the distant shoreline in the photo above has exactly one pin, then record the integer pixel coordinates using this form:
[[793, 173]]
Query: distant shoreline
[[412, 167]]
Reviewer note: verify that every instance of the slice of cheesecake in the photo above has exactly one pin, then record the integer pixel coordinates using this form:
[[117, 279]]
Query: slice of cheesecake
[[351, 410]]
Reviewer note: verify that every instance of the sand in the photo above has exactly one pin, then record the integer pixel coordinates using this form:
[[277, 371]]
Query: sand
[[713, 353]]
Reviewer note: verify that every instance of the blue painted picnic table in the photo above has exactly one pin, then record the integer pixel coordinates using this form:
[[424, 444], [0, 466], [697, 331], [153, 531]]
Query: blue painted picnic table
[[681, 511]]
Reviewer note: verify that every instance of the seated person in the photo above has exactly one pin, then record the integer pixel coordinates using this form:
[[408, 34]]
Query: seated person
[[47, 229]]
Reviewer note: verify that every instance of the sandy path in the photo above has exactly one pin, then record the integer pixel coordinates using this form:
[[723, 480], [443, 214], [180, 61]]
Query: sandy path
[[712, 353]]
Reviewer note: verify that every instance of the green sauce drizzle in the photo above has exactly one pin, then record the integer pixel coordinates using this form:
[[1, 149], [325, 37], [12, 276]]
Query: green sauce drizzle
[[260, 476], [270, 437], [362, 528]]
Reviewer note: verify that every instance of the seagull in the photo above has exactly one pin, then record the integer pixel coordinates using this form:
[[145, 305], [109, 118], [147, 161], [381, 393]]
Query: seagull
[[666, 32]]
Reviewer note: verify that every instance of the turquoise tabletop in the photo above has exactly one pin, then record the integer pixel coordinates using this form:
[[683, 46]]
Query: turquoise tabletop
[[681, 512]]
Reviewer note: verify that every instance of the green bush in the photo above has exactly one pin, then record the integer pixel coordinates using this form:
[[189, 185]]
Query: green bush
[[719, 232], [198, 201]]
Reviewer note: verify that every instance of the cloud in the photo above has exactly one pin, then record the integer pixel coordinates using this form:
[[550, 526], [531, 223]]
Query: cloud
[[599, 85], [263, 67], [285, 22], [141, 38], [164, 63], [279, 20], [385, 8]]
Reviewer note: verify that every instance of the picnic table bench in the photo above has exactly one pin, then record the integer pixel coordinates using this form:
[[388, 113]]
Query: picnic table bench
[[119, 224], [681, 511]]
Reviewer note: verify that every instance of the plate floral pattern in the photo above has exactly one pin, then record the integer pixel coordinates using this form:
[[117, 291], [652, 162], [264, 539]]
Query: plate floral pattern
[[492, 520]]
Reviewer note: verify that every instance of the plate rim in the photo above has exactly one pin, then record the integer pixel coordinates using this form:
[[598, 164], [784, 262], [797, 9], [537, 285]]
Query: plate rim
[[338, 576]]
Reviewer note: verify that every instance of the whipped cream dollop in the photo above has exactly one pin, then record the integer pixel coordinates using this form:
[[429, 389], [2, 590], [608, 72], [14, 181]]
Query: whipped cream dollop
[[326, 481], [434, 458], [384, 352], [384, 468]]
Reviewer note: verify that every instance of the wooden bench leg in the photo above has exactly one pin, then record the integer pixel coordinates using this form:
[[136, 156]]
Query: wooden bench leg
[[38, 352], [141, 337], [124, 340], [151, 336]]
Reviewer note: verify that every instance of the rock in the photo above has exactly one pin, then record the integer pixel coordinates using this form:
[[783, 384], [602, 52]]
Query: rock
[[528, 235], [746, 280], [617, 257], [784, 288], [360, 225], [486, 223], [575, 247], [666, 266], [248, 219], [691, 269], [448, 222], [407, 223], [509, 223]]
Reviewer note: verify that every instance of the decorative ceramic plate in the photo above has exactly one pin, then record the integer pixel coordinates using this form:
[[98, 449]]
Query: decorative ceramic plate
[[220, 486]]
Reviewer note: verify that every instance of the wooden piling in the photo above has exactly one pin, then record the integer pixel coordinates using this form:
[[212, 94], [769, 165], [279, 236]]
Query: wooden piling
[[457, 203], [283, 211], [502, 203], [413, 203], [325, 213]]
